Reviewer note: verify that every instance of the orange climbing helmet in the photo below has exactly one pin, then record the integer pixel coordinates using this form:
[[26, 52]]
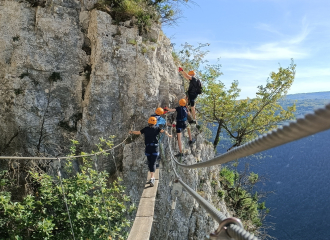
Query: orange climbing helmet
[[152, 120], [191, 73], [159, 111], [182, 102]]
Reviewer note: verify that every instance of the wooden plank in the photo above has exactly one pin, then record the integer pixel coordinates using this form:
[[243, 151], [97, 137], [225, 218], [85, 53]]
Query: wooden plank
[[141, 228]]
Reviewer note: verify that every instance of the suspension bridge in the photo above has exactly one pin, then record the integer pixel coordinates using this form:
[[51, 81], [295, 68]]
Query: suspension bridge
[[229, 228]]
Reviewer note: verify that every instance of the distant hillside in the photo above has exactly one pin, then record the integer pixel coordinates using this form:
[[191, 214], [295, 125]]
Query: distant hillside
[[306, 102], [303, 96]]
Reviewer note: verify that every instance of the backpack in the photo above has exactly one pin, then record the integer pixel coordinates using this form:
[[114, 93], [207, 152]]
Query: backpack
[[199, 87], [183, 115], [160, 120]]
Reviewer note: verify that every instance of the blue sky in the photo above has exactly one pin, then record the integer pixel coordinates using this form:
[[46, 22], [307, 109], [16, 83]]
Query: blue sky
[[252, 37]]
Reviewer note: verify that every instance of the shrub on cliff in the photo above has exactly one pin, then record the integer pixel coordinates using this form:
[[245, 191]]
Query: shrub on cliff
[[97, 209], [145, 12]]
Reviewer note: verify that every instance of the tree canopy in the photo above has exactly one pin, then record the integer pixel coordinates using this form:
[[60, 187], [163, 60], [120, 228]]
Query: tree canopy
[[242, 119]]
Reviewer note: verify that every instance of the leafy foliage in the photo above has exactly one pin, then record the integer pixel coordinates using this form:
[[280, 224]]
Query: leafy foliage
[[143, 12], [243, 119], [97, 209], [239, 195]]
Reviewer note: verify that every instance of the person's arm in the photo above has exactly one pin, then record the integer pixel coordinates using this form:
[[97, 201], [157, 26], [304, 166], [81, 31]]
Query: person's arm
[[169, 109], [185, 75], [135, 132], [165, 133]]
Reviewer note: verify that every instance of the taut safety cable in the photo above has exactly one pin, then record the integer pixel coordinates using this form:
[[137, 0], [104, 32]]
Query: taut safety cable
[[59, 158], [302, 127], [101, 190], [65, 201], [228, 227]]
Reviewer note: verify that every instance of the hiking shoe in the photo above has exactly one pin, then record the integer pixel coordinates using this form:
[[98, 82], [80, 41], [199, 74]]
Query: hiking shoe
[[192, 122], [179, 155], [149, 181], [192, 141], [152, 182]]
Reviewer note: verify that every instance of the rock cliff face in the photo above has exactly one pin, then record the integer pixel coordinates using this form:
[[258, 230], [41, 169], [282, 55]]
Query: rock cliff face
[[67, 71]]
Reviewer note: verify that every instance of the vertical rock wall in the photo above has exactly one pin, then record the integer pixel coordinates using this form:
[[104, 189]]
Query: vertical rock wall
[[67, 71]]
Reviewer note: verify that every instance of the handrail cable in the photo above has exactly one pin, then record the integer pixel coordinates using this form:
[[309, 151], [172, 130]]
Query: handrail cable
[[101, 189], [65, 201], [302, 127], [234, 230], [57, 158]]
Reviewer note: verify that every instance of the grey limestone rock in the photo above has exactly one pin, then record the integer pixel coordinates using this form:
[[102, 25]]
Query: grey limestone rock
[[68, 72]]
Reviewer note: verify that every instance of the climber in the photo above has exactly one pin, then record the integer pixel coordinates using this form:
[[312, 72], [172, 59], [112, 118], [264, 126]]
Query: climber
[[193, 91], [151, 151], [181, 118], [160, 121]]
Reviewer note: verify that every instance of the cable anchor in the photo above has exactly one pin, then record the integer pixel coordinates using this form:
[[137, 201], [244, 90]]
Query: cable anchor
[[176, 190], [221, 233]]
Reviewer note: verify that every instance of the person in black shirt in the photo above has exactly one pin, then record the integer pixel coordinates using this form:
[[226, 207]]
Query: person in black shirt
[[192, 94], [181, 119], [150, 139]]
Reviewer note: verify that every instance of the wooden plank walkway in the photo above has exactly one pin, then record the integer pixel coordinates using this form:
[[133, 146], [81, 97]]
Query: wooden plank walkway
[[145, 214]]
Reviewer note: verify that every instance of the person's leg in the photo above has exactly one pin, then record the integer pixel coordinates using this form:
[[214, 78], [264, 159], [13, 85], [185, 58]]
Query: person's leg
[[193, 112], [152, 168], [179, 142], [192, 99], [189, 133]]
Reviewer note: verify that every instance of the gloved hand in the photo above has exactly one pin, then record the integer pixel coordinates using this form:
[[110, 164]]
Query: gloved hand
[[180, 69], [173, 125]]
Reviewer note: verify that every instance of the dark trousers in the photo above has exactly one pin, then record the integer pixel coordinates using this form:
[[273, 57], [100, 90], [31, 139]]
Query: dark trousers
[[152, 154]]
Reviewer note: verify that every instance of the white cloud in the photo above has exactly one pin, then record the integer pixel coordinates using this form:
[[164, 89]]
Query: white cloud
[[269, 51], [285, 47], [268, 28]]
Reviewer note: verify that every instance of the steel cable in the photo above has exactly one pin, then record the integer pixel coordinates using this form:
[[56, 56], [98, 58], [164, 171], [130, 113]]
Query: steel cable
[[303, 127], [101, 189], [56, 158], [236, 232], [65, 200]]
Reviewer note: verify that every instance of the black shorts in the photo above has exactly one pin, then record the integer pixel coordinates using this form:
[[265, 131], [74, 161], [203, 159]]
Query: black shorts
[[192, 98], [180, 126]]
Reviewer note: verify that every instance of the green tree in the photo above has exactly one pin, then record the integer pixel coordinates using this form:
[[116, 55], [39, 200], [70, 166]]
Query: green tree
[[242, 119], [97, 209], [238, 191], [245, 119]]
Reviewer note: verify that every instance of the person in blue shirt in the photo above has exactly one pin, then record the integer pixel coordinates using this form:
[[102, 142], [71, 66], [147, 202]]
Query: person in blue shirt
[[181, 123], [150, 139], [160, 121]]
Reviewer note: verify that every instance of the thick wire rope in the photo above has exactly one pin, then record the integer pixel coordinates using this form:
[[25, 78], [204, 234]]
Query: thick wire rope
[[170, 218], [302, 127], [56, 158], [101, 188], [113, 158], [65, 200], [237, 232]]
